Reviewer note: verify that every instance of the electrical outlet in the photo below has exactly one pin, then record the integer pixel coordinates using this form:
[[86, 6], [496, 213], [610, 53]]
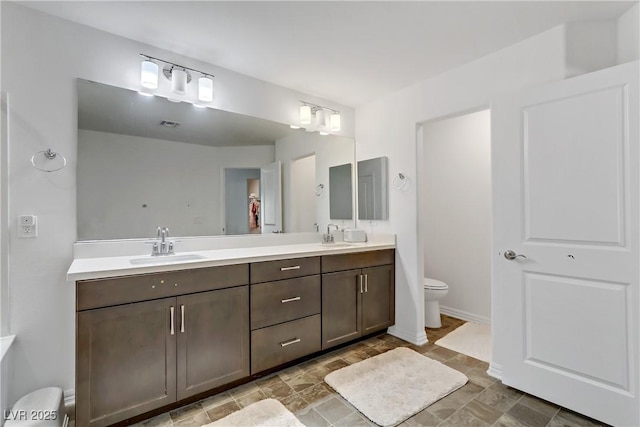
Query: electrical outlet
[[27, 226]]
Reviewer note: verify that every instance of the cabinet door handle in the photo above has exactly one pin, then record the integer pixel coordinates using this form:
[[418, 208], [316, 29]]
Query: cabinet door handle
[[181, 318], [295, 267], [290, 299], [293, 341], [366, 283], [171, 310], [360, 280]]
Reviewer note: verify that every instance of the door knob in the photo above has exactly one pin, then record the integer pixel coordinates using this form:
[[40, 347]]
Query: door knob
[[511, 255]]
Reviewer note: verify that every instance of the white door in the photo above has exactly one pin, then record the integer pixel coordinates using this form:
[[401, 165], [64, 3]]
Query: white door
[[271, 198], [566, 190]]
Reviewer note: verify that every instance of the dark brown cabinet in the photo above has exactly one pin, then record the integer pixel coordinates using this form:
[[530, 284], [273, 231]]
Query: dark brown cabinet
[[122, 361], [139, 356], [213, 339], [356, 302]]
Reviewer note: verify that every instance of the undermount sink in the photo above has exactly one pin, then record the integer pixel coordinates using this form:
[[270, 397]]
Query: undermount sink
[[165, 259]]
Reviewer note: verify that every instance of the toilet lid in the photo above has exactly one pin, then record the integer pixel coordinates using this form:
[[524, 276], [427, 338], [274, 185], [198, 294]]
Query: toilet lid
[[434, 284]]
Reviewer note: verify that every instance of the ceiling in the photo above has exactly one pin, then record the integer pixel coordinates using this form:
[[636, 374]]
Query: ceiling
[[110, 109], [346, 51]]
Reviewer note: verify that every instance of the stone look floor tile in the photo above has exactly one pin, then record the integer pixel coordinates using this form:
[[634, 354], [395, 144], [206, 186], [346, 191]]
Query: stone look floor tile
[[539, 405], [448, 405], [250, 398], [317, 393], [216, 400], [336, 364], [223, 410], [243, 389], [163, 420], [463, 418], [197, 420], [186, 412], [294, 403], [570, 418], [496, 400], [479, 376], [507, 391], [528, 416], [422, 418], [508, 421], [333, 410], [274, 387], [484, 412], [301, 382], [354, 420], [311, 418]]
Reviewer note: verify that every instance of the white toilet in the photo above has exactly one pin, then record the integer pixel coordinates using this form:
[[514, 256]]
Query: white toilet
[[434, 291]]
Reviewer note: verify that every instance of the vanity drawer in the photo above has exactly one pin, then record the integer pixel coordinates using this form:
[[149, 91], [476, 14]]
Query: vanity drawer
[[268, 271], [357, 260], [282, 343], [121, 290], [278, 302]]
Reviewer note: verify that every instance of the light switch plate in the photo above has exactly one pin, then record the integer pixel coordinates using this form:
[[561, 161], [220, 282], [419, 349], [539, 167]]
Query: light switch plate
[[27, 226]]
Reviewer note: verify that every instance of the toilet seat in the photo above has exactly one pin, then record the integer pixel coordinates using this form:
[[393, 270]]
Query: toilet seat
[[434, 284]]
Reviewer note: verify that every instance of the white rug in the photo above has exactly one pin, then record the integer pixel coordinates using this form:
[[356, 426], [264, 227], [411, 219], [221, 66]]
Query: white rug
[[393, 386], [472, 339], [268, 413]]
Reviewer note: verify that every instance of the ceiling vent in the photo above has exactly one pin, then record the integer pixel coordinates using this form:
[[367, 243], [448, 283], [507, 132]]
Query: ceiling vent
[[169, 124]]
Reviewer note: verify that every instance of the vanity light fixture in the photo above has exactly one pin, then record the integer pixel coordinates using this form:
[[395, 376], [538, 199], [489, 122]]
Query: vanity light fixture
[[179, 77], [326, 119]]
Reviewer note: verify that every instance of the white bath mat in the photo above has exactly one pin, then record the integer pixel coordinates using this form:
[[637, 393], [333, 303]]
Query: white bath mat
[[393, 386], [472, 339], [268, 413]]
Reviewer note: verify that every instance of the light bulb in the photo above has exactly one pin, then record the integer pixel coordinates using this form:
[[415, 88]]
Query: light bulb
[[149, 74], [335, 122], [305, 115], [205, 89], [178, 81]]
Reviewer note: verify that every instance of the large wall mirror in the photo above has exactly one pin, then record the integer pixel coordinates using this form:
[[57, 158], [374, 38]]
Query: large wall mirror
[[145, 162]]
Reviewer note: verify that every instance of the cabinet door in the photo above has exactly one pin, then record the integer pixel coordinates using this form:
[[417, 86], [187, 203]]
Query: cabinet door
[[378, 300], [126, 358], [213, 339], [341, 321]]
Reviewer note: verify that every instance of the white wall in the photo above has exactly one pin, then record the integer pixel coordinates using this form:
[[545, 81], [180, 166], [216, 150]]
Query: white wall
[[329, 151], [628, 36], [179, 183], [457, 212], [43, 113], [389, 127]]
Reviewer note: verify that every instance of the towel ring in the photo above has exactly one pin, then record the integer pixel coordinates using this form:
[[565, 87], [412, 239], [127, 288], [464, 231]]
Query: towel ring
[[319, 189], [48, 155], [400, 181]]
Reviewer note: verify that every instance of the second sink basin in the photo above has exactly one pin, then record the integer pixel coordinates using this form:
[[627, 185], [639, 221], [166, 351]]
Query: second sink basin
[[165, 259]]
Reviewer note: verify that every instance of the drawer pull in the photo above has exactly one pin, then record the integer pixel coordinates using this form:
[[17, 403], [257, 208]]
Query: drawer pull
[[360, 277], [181, 318], [172, 320], [293, 341], [290, 299], [366, 283], [295, 267]]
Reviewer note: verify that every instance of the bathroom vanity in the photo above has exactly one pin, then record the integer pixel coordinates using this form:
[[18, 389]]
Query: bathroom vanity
[[147, 339]]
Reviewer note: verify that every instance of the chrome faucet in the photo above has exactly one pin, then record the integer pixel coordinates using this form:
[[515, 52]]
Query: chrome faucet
[[328, 238], [163, 246]]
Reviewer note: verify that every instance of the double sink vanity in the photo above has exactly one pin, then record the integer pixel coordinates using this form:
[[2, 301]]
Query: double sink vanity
[[154, 331]]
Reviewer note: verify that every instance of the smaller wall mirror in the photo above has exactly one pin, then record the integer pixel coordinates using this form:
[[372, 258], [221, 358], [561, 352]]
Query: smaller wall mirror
[[340, 192], [373, 189]]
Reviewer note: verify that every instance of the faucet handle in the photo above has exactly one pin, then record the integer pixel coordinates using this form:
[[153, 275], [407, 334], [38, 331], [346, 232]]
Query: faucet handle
[[166, 231], [158, 232]]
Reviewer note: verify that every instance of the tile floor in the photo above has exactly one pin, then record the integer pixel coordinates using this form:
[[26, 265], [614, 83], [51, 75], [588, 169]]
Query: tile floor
[[483, 401]]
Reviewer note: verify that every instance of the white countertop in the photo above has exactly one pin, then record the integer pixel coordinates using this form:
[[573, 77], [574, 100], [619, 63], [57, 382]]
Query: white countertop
[[112, 266]]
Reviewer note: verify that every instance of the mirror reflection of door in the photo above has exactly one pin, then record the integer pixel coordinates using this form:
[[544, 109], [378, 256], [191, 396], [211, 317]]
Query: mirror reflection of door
[[271, 198], [253, 190], [236, 197], [303, 196]]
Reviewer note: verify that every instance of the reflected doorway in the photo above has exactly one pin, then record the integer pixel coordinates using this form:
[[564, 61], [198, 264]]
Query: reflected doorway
[[253, 189], [237, 194]]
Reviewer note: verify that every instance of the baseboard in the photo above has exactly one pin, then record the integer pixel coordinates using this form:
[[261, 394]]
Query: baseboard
[[464, 315], [495, 371], [69, 398], [417, 339]]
